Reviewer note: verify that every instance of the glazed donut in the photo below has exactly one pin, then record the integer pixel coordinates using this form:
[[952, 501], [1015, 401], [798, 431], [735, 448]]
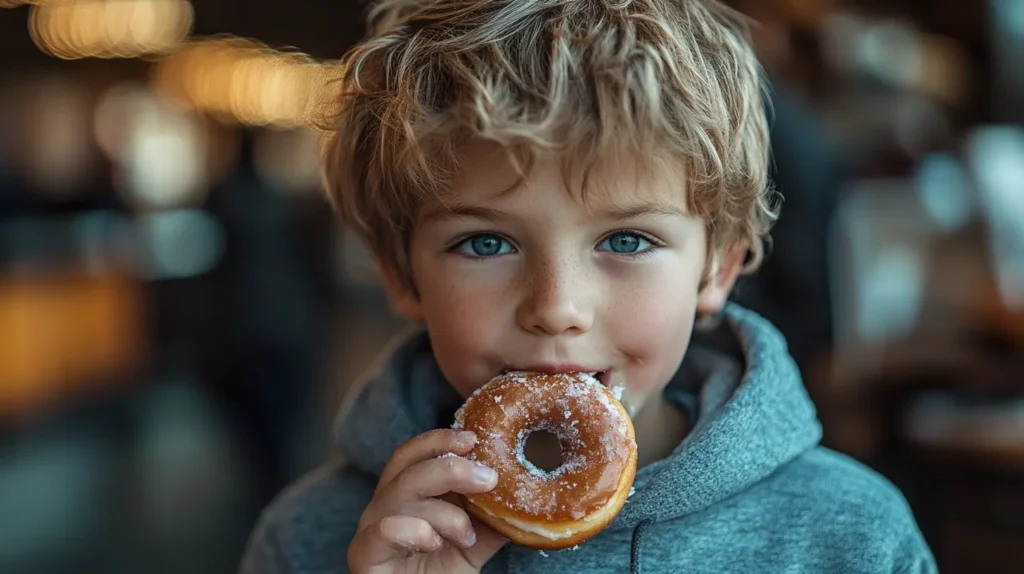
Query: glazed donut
[[556, 509]]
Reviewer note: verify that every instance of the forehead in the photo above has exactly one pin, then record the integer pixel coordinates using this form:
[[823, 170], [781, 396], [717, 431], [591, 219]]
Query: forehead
[[488, 173]]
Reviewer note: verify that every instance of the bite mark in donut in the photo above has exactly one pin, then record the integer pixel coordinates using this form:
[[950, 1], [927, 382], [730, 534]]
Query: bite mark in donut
[[559, 508]]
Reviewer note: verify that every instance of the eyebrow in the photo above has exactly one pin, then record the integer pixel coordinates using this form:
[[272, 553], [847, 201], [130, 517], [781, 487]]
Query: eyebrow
[[641, 210], [454, 210]]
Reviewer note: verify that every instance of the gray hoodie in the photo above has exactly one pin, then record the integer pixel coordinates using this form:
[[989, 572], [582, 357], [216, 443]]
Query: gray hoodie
[[748, 490]]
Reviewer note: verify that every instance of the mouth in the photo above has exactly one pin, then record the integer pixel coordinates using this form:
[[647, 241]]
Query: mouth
[[603, 376]]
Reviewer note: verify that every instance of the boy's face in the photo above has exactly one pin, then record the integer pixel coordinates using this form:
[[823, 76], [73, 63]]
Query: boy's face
[[536, 279]]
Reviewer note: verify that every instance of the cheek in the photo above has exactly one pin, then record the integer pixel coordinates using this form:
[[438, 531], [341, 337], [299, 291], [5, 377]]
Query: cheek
[[652, 326], [647, 324], [462, 322]]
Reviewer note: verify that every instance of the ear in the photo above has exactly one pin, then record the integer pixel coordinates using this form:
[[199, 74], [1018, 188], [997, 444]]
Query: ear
[[725, 269], [402, 296]]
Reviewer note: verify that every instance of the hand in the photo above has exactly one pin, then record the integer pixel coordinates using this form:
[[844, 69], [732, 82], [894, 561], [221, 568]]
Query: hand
[[407, 528]]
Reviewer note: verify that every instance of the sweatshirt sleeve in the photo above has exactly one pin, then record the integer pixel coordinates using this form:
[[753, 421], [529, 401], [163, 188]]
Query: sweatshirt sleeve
[[308, 527], [913, 555], [263, 554]]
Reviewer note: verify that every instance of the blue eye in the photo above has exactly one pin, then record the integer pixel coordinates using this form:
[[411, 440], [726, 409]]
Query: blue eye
[[626, 243], [484, 245]]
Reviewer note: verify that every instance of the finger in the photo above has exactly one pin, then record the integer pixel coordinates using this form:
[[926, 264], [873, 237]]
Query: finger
[[448, 520], [392, 537], [426, 446], [439, 476]]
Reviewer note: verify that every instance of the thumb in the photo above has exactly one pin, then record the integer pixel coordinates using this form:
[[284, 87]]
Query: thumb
[[488, 542]]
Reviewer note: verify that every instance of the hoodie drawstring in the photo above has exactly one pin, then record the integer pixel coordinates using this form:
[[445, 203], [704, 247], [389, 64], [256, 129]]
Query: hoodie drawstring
[[635, 553]]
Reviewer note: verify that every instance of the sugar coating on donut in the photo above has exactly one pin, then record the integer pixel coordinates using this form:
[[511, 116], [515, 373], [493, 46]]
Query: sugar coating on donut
[[560, 494], [565, 437]]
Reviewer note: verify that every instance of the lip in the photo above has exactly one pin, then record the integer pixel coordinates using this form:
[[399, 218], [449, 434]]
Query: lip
[[601, 374], [557, 369]]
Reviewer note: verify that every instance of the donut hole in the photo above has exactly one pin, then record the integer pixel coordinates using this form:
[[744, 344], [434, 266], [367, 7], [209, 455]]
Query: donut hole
[[543, 450]]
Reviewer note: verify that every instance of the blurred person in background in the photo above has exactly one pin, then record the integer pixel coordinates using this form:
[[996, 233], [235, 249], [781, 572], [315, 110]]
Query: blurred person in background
[[271, 304], [792, 286]]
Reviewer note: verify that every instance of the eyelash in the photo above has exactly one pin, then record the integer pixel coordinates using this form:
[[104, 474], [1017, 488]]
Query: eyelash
[[654, 241], [454, 247], [655, 244]]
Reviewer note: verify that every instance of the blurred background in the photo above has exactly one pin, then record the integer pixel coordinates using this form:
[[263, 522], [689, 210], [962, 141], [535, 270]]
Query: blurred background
[[180, 312]]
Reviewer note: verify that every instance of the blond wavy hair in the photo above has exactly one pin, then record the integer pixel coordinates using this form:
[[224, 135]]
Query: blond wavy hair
[[583, 78]]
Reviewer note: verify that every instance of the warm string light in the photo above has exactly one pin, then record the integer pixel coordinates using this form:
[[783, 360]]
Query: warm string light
[[73, 29], [237, 79], [230, 78], [17, 3]]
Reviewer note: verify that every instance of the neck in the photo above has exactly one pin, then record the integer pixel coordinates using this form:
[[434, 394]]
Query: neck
[[659, 428]]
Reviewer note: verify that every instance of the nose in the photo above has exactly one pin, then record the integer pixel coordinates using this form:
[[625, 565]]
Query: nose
[[556, 300]]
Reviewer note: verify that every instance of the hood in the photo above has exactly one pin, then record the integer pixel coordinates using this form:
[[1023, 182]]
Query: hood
[[751, 411]]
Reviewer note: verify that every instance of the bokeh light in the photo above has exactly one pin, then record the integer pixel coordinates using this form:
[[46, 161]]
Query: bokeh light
[[75, 29], [240, 80]]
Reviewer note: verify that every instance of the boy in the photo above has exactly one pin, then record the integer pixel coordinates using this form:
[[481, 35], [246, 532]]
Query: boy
[[566, 185]]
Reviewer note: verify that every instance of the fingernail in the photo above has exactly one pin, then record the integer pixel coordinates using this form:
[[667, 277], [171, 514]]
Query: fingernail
[[485, 474], [470, 538]]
